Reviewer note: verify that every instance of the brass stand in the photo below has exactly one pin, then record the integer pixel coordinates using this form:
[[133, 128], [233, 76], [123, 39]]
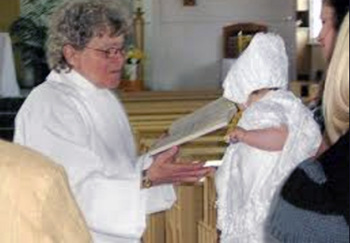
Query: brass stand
[[139, 25], [138, 28]]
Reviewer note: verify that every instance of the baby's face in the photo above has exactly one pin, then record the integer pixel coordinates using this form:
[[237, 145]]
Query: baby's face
[[252, 98]]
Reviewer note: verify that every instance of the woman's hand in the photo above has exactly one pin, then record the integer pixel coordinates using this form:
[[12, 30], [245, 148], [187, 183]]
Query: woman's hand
[[165, 169]]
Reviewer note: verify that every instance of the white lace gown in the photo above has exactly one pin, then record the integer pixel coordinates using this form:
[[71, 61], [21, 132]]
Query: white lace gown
[[250, 178]]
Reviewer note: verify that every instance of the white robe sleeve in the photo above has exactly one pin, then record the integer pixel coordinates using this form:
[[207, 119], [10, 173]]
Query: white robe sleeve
[[111, 204]]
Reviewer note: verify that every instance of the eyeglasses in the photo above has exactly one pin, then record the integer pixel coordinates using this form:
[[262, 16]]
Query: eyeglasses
[[110, 52]]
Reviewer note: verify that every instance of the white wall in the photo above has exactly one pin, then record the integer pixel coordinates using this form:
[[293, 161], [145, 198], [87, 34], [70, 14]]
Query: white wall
[[184, 44]]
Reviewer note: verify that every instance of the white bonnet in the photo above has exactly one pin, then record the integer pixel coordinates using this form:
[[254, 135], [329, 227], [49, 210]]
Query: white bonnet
[[264, 64]]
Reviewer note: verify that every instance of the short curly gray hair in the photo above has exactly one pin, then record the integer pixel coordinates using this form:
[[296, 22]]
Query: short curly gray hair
[[75, 23]]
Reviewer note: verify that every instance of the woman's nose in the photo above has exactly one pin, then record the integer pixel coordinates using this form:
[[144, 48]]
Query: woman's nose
[[118, 58]]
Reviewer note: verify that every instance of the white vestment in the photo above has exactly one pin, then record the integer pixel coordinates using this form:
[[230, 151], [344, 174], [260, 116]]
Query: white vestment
[[85, 129], [250, 179]]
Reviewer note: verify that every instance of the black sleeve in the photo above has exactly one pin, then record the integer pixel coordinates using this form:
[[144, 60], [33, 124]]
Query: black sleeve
[[330, 196], [303, 192], [335, 162]]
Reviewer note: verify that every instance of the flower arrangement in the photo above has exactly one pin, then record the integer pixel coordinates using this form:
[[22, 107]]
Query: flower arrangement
[[134, 55]]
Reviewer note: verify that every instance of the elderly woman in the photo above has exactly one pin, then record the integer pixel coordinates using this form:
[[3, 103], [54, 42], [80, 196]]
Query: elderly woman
[[74, 119], [314, 203]]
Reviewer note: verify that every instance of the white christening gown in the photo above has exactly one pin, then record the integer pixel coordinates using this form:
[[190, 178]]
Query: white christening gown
[[250, 178]]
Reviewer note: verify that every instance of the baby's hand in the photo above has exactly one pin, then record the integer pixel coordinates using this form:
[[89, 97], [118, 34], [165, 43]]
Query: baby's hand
[[236, 135]]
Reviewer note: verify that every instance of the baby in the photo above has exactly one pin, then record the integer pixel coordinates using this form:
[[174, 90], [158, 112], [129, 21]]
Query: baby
[[275, 133]]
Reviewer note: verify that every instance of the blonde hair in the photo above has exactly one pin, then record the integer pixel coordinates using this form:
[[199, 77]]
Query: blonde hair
[[336, 92]]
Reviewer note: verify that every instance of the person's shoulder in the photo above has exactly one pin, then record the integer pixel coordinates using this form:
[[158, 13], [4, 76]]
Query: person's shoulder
[[53, 96], [52, 91], [26, 164]]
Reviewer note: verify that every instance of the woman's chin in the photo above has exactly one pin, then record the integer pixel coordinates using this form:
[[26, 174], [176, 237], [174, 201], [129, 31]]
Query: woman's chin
[[113, 84], [114, 81]]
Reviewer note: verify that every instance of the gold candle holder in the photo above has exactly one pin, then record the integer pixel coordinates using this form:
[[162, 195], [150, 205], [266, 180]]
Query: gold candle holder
[[139, 24]]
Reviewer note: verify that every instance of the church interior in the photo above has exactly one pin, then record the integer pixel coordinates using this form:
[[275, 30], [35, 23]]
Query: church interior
[[178, 55]]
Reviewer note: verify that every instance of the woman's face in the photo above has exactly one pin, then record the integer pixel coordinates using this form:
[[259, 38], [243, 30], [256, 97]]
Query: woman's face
[[328, 33], [100, 68]]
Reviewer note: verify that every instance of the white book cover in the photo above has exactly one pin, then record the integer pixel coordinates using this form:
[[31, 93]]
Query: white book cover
[[213, 116]]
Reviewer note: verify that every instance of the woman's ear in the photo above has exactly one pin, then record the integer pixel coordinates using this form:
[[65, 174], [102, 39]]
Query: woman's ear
[[71, 55]]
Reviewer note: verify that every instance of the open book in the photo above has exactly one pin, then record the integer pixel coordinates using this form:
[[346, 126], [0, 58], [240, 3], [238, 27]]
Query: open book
[[215, 115]]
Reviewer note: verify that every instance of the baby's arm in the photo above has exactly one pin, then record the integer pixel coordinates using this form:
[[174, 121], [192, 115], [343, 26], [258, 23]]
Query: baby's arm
[[269, 139]]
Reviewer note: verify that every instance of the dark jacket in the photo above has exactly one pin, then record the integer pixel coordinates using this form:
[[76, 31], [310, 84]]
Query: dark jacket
[[314, 202]]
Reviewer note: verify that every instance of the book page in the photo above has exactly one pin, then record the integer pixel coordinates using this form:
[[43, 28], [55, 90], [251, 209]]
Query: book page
[[213, 116]]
